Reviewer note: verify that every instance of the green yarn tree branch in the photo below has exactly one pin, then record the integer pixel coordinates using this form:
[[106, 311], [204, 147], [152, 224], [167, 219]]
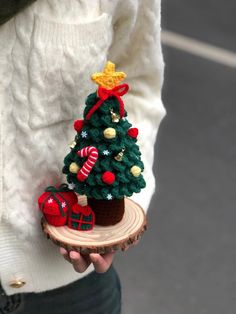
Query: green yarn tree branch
[[125, 183]]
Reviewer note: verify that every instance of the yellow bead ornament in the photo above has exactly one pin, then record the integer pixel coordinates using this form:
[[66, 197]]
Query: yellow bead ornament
[[136, 171], [109, 78], [73, 144], [109, 133], [74, 168]]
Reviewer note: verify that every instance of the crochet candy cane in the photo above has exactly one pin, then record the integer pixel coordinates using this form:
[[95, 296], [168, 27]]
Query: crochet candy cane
[[92, 154]]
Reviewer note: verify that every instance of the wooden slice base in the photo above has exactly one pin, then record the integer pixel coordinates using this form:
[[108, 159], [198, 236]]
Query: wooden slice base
[[102, 239]]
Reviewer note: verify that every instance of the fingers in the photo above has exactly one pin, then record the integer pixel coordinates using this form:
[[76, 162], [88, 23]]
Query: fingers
[[101, 262], [79, 262], [65, 254]]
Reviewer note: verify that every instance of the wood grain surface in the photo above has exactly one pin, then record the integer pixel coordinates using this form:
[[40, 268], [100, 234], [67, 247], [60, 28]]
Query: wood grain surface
[[101, 239]]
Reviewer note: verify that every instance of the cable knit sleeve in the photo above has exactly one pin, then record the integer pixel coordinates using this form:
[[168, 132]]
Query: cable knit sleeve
[[136, 50]]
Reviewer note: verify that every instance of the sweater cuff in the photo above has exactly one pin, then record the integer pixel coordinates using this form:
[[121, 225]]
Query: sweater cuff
[[38, 263]]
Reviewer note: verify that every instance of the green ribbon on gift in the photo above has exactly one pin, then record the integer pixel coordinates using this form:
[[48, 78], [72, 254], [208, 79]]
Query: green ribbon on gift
[[53, 190], [62, 188]]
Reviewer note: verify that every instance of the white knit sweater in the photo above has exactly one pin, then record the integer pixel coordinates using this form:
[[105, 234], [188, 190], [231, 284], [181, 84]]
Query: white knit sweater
[[47, 55]]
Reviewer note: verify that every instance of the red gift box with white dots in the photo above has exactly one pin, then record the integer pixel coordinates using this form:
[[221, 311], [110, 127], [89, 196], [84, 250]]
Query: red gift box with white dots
[[55, 206]]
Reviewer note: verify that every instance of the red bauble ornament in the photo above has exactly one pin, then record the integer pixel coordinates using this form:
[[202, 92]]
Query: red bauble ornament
[[108, 177], [133, 132], [78, 125]]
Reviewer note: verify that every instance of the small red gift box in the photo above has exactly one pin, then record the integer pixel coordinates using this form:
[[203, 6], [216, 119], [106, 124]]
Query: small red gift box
[[55, 203], [81, 218]]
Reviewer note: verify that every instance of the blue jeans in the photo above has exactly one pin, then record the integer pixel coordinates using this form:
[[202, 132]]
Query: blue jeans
[[93, 294]]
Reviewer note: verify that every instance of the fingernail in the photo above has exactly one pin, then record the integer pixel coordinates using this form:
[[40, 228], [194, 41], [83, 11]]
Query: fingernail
[[63, 251], [74, 255], [93, 258]]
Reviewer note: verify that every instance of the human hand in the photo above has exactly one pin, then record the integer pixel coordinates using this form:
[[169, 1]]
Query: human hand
[[81, 262]]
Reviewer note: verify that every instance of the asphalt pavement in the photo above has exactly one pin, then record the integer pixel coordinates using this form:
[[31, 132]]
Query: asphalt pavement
[[186, 261]]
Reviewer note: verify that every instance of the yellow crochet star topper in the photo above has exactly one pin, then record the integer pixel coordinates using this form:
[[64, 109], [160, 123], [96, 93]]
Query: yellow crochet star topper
[[109, 78]]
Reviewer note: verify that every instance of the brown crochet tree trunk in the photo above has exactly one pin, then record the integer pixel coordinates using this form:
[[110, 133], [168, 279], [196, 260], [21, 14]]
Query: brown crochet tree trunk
[[106, 212]]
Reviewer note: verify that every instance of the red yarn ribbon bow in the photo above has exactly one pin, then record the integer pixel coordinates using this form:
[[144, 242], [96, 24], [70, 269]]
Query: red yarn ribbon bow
[[104, 93]]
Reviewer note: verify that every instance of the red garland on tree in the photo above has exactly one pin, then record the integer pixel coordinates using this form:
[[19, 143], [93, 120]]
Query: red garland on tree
[[104, 94]]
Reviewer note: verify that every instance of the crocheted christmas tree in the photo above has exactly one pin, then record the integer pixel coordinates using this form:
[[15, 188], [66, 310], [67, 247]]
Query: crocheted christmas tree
[[105, 161]]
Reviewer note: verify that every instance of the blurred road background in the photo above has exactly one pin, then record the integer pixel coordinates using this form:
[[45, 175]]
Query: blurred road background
[[186, 262]]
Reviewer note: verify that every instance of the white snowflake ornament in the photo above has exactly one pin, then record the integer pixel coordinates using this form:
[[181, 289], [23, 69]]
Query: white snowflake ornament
[[50, 201], [109, 197], [71, 186], [84, 134], [63, 204], [106, 152]]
